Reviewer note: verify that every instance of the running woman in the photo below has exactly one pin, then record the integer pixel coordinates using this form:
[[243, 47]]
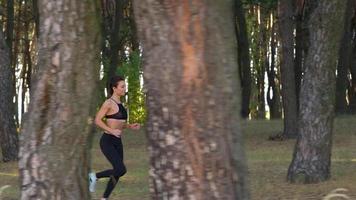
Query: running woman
[[110, 143]]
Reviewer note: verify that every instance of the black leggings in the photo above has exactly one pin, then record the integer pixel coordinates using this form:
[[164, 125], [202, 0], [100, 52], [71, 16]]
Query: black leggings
[[111, 147]]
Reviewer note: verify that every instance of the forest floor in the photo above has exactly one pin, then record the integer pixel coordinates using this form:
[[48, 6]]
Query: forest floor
[[268, 162]]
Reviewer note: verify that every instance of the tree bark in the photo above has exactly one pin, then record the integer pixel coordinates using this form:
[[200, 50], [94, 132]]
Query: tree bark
[[312, 154], [263, 62], [286, 27], [274, 101], [345, 59], [36, 17], [134, 38], [10, 26], [352, 85], [8, 134], [193, 129], [243, 58], [112, 14], [299, 54], [54, 143]]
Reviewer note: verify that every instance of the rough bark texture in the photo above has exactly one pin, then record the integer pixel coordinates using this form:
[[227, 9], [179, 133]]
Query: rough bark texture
[[190, 69], [54, 148], [285, 11], [345, 60], [243, 58], [312, 154], [8, 134]]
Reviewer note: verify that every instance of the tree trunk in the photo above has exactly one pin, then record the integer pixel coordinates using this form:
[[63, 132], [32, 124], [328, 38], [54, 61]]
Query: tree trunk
[[298, 59], [286, 27], [54, 150], [263, 62], [36, 17], [352, 85], [193, 127], [345, 59], [243, 58], [10, 26], [274, 101], [115, 43], [9, 42], [134, 40], [312, 154], [8, 134], [112, 14]]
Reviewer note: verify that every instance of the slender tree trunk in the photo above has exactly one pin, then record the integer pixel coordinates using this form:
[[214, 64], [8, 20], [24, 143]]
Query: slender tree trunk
[[54, 149], [134, 40], [263, 62], [112, 13], [243, 58], [36, 17], [274, 101], [26, 58], [352, 84], [194, 140], [312, 154], [345, 59], [285, 9], [298, 59], [10, 26], [9, 42], [8, 134], [115, 44]]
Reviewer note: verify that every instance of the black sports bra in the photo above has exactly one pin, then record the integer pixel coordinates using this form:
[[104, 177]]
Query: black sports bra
[[121, 114]]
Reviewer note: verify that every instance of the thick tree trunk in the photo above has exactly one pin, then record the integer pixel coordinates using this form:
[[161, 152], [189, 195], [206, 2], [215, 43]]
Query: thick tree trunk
[[193, 120], [312, 154], [243, 58], [8, 134], [54, 149], [286, 27], [345, 59]]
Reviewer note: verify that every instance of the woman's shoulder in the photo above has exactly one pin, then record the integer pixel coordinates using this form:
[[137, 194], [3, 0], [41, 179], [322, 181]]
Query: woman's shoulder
[[108, 103]]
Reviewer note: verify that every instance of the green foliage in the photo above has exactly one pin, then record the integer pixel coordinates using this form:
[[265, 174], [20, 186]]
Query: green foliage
[[131, 70]]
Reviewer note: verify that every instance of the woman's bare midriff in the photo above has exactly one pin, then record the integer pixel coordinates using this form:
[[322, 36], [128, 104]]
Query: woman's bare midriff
[[116, 124]]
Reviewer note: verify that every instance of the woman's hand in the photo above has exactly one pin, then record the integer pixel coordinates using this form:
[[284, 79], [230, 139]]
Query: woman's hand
[[135, 126], [116, 132]]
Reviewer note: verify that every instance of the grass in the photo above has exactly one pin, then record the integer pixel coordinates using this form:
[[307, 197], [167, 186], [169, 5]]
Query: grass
[[268, 162]]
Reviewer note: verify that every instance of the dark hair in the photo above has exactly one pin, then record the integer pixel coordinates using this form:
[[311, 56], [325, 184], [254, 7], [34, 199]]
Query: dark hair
[[113, 82]]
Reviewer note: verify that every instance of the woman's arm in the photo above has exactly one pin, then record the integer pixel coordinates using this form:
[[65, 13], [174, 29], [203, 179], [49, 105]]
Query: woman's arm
[[99, 120]]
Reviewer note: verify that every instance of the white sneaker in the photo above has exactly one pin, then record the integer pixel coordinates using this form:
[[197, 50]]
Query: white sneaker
[[92, 181]]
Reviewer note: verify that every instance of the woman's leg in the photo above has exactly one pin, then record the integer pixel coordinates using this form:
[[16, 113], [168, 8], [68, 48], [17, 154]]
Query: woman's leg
[[114, 153]]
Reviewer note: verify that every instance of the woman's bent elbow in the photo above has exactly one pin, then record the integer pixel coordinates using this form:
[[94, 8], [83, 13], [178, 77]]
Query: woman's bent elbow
[[97, 121]]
